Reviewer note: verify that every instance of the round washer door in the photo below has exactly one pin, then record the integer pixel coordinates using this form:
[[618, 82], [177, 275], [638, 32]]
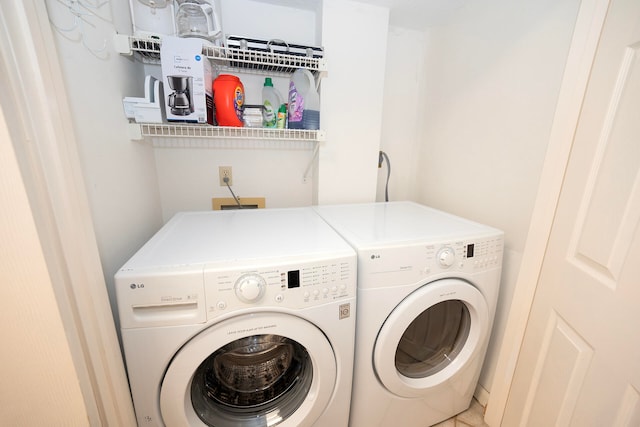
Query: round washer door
[[429, 336], [261, 369]]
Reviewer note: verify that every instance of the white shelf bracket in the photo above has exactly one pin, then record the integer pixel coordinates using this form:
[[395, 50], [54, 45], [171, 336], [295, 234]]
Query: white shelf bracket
[[122, 44], [135, 132]]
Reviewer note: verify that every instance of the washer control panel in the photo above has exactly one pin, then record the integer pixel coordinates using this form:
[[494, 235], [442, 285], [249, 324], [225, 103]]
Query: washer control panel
[[292, 286]]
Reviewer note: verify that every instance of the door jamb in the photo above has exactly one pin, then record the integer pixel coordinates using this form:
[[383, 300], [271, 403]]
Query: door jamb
[[39, 121]]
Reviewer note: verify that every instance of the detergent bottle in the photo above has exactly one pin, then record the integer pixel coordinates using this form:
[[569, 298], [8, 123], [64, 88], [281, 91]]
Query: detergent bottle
[[228, 99], [304, 101], [271, 101]]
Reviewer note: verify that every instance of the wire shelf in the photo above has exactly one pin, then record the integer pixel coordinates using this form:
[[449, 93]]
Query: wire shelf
[[225, 132], [148, 51]]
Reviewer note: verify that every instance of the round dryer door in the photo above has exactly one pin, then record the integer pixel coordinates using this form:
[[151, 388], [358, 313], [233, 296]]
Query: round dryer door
[[262, 369], [430, 336]]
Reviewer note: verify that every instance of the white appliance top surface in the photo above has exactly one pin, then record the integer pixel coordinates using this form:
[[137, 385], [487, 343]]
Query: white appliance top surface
[[250, 236], [395, 223]]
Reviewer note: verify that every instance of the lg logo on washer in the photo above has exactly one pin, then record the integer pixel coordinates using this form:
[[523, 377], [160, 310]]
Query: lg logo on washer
[[136, 285]]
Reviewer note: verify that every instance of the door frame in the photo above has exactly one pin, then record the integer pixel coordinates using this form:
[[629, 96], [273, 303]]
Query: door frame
[[41, 132], [584, 43]]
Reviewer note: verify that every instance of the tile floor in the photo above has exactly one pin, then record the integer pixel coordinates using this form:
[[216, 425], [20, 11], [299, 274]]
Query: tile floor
[[472, 417]]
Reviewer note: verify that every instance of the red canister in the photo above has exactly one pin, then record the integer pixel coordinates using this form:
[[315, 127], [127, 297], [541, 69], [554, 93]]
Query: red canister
[[228, 99]]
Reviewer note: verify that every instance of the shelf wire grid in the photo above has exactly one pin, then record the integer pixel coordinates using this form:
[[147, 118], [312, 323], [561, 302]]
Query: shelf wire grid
[[207, 131], [235, 59]]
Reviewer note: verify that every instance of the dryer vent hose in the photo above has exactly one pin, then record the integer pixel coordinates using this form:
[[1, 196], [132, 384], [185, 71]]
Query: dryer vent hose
[[382, 156]]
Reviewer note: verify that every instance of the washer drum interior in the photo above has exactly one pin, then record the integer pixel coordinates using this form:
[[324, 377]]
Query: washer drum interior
[[251, 376]]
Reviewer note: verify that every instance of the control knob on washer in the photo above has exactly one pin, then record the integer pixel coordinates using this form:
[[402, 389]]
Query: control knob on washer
[[250, 288], [446, 257]]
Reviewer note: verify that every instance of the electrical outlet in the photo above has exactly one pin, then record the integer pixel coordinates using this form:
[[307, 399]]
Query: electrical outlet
[[225, 172]]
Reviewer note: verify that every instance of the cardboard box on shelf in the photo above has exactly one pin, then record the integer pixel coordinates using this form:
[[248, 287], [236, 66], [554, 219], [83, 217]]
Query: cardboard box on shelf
[[187, 77]]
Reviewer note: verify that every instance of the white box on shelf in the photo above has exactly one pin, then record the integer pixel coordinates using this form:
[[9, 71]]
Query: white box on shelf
[[187, 76], [152, 111], [149, 109], [129, 103]]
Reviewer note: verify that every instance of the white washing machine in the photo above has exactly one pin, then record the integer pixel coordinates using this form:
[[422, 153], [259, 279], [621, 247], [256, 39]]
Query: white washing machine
[[240, 318], [428, 283]]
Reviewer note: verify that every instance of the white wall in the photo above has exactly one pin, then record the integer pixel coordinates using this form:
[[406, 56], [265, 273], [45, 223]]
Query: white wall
[[294, 21], [355, 38], [188, 178], [492, 77], [120, 174], [403, 112]]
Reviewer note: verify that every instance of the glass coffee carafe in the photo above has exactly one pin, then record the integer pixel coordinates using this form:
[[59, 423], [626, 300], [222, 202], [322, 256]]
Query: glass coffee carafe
[[197, 18]]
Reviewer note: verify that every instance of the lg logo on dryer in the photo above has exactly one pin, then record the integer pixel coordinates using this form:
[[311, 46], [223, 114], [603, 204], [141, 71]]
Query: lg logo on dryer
[[136, 285]]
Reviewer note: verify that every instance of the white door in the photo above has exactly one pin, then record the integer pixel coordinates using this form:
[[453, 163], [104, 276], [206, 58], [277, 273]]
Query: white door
[[580, 360]]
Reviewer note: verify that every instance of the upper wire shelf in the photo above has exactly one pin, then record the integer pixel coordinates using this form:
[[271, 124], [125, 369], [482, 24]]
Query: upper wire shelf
[[148, 51]]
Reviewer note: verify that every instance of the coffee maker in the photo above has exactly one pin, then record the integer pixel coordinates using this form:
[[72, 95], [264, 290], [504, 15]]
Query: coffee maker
[[181, 99]]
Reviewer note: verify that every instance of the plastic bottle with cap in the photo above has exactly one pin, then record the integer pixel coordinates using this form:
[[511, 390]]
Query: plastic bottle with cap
[[304, 101], [228, 98], [271, 101], [281, 119]]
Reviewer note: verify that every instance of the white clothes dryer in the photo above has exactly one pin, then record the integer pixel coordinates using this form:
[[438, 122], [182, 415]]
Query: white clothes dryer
[[428, 284], [240, 318]]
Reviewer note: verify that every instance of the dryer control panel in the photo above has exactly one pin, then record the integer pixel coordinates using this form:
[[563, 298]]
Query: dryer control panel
[[411, 263], [466, 255], [295, 285]]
